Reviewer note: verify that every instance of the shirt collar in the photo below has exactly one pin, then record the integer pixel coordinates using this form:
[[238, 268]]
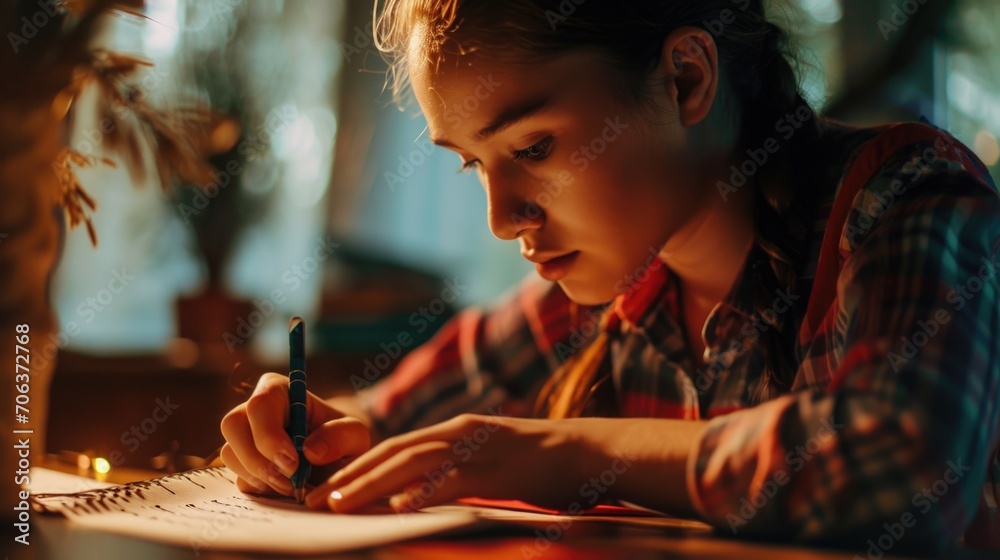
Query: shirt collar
[[658, 289]]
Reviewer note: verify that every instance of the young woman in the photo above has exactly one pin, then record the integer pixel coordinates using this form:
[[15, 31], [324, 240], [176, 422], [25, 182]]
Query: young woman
[[776, 323]]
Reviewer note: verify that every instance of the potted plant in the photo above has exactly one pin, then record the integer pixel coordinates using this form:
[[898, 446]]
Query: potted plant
[[48, 61]]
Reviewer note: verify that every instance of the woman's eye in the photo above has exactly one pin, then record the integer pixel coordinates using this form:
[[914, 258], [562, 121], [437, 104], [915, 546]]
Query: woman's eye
[[536, 152], [469, 166]]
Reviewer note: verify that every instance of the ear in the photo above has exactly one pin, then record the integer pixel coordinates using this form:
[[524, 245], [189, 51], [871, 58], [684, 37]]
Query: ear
[[690, 63]]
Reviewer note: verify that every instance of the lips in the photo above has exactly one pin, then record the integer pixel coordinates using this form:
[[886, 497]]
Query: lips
[[554, 268]]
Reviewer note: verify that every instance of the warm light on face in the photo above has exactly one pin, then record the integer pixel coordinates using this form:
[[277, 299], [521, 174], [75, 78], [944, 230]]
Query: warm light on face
[[566, 166], [101, 465]]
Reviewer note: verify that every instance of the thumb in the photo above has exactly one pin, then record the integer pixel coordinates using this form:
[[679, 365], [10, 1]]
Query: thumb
[[335, 439]]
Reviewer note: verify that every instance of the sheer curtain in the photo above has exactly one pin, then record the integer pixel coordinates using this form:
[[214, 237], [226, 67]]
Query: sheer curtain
[[434, 219], [289, 69], [417, 209]]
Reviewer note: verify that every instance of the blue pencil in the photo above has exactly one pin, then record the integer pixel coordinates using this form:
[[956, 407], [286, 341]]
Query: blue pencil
[[298, 427]]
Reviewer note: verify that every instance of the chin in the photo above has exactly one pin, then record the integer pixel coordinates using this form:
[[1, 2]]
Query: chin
[[583, 293]]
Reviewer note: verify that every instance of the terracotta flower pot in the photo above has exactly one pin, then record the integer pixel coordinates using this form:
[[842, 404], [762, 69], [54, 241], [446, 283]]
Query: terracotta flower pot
[[31, 235]]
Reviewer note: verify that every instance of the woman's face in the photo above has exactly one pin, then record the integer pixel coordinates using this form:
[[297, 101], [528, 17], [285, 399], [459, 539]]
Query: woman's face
[[589, 188]]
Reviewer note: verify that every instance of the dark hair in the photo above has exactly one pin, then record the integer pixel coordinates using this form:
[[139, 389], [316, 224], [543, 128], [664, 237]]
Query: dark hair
[[754, 59]]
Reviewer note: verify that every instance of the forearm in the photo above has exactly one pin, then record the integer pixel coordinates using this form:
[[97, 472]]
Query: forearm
[[646, 458]]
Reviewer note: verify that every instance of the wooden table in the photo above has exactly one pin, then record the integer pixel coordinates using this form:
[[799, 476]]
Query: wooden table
[[57, 539]]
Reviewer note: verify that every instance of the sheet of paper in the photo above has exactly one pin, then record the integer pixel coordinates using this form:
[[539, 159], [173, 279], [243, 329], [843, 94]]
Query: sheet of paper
[[563, 519], [204, 510], [51, 481]]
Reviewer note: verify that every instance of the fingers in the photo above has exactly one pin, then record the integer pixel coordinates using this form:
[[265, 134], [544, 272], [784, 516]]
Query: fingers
[[449, 430], [430, 460], [244, 486], [435, 491], [336, 439], [242, 456], [267, 412], [245, 481], [259, 449]]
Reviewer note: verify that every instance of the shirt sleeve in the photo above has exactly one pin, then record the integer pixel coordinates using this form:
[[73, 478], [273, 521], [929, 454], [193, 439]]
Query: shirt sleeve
[[893, 453], [486, 361]]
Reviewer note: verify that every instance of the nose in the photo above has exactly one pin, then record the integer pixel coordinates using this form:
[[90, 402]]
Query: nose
[[509, 211]]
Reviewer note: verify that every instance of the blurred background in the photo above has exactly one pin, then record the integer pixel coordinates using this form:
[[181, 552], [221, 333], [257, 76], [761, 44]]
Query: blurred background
[[330, 203]]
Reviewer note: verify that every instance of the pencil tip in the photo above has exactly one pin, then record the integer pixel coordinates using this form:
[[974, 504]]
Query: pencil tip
[[300, 495]]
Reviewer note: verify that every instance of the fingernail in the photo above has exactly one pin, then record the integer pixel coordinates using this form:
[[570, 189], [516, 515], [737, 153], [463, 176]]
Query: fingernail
[[285, 463], [313, 499], [280, 484], [335, 500], [315, 450], [401, 503]]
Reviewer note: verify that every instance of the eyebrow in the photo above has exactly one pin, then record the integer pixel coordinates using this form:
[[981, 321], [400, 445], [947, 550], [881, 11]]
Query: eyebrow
[[506, 119]]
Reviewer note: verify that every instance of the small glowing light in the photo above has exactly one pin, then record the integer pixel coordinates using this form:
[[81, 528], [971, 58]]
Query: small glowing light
[[987, 147], [82, 461], [101, 465], [294, 138]]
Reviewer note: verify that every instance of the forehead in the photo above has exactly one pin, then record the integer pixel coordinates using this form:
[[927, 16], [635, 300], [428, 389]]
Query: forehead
[[462, 91]]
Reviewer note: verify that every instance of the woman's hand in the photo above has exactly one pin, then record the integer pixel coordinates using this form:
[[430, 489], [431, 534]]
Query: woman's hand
[[259, 450], [559, 464], [539, 461]]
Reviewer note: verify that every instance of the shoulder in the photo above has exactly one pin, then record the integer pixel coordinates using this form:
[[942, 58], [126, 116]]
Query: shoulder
[[909, 164]]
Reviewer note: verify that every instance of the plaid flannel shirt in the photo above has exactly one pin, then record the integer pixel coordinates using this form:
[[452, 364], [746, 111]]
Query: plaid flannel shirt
[[890, 430]]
